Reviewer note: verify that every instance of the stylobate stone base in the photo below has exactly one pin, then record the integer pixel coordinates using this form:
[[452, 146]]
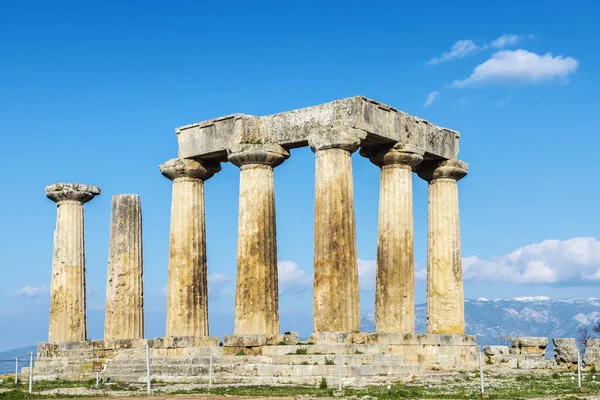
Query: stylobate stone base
[[366, 358]]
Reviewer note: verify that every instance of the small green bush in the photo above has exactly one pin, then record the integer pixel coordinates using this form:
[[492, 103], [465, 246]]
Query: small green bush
[[323, 384], [302, 351], [329, 362], [241, 353]]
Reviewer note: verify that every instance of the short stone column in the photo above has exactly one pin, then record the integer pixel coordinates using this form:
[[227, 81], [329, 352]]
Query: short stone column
[[445, 295], [336, 305], [256, 297], [395, 278], [67, 290], [187, 287], [124, 287]]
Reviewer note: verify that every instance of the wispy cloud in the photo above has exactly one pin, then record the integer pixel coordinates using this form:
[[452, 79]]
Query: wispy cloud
[[506, 40], [292, 278], [520, 67], [431, 98], [460, 49], [574, 261], [33, 291]]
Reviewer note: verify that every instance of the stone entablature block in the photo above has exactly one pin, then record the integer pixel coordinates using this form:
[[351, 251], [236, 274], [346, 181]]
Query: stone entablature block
[[367, 121]]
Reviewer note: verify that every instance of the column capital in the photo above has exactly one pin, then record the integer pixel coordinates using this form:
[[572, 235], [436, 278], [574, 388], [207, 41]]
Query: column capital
[[386, 155], [270, 154], [451, 169], [186, 168], [59, 192], [348, 139]]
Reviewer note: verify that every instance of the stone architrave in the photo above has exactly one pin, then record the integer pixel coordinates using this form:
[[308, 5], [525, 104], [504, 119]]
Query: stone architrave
[[124, 288], [67, 291], [336, 306], [395, 277], [187, 288], [445, 295], [256, 299]]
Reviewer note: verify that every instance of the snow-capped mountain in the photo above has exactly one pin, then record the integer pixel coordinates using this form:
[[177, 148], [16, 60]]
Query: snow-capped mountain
[[491, 320]]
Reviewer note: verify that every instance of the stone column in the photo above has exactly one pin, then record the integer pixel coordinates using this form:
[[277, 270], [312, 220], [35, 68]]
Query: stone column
[[395, 279], [256, 298], [124, 287], [187, 288], [336, 305], [67, 291], [445, 296]]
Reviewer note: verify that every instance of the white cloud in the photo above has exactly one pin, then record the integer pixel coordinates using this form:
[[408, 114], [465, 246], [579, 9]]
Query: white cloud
[[460, 49], [506, 41], [33, 291], [520, 67], [431, 98], [292, 278], [573, 261]]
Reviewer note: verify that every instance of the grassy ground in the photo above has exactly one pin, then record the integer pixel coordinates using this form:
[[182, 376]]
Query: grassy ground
[[461, 386]]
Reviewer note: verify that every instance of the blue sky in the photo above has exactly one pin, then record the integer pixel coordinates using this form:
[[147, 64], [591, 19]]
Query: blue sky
[[91, 92]]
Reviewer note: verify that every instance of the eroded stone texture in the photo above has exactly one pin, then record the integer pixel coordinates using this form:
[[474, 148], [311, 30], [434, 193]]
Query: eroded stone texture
[[67, 291], [335, 292], [592, 352], [377, 122], [256, 299], [394, 287], [445, 296], [187, 288], [529, 345], [565, 351], [124, 287]]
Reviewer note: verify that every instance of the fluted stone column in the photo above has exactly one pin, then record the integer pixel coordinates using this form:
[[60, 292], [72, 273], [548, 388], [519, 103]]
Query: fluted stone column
[[124, 287], [336, 305], [187, 288], [256, 298], [395, 278], [67, 291], [445, 296]]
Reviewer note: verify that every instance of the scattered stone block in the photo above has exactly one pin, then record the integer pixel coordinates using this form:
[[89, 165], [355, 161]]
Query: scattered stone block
[[529, 345], [565, 351]]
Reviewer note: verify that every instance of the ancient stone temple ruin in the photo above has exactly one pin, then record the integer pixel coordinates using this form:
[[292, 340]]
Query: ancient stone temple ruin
[[398, 143]]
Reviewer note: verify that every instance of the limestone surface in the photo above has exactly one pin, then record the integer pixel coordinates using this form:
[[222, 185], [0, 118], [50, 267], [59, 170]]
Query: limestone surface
[[529, 345], [67, 290], [445, 295], [256, 300], [335, 292], [394, 285], [187, 287], [124, 288], [370, 121], [565, 350]]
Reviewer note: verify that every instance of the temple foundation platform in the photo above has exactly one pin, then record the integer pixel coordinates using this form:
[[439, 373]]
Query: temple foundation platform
[[367, 358]]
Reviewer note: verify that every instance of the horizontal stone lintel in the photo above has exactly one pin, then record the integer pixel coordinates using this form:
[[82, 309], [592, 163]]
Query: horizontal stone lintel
[[374, 122]]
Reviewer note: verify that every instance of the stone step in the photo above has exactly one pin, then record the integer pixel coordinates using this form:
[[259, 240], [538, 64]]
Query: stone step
[[350, 359], [325, 370], [332, 349]]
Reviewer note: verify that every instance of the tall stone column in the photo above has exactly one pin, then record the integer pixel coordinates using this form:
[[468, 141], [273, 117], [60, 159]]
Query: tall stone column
[[256, 298], [187, 288], [395, 279], [445, 296], [124, 287], [67, 290], [336, 305]]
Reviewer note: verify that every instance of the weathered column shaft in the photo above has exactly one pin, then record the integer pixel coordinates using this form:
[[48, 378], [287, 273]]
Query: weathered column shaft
[[124, 287], [445, 296], [187, 288], [394, 284], [67, 290], [336, 295], [256, 300]]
